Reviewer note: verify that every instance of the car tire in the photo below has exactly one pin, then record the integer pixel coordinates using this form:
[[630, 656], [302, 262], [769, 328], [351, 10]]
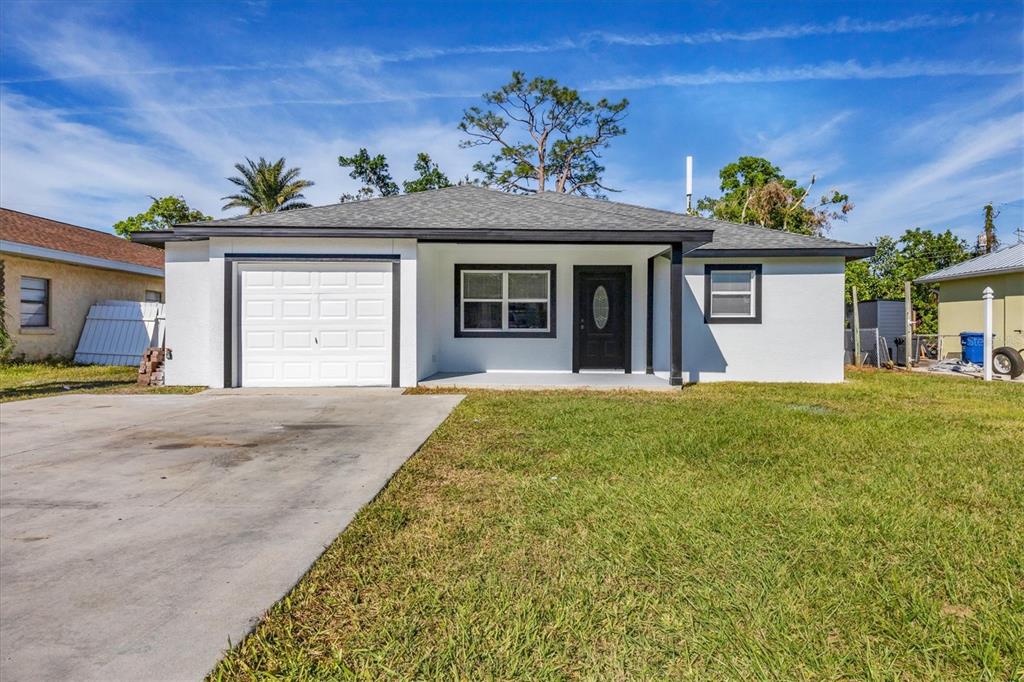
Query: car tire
[[1007, 361]]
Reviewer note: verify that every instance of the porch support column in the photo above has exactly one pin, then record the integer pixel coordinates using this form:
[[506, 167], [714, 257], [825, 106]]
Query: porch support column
[[675, 302], [650, 314]]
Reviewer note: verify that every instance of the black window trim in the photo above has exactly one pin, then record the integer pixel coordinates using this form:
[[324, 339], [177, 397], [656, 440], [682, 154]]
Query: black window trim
[[712, 267], [46, 302], [549, 333]]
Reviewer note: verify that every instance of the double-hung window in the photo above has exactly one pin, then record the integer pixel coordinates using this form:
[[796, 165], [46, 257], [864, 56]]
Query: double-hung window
[[35, 302], [732, 293], [505, 300]]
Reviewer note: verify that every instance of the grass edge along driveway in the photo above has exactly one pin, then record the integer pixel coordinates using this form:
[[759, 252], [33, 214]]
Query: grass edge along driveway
[[871, 529], [26, 380]]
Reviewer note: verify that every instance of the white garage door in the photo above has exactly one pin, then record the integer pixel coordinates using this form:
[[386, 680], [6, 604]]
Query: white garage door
[[315, 324]]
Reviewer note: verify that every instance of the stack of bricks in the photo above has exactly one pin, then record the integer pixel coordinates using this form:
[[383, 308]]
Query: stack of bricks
[[151, 369]]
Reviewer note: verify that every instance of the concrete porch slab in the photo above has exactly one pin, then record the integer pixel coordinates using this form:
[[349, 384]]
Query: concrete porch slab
[[607, 381]]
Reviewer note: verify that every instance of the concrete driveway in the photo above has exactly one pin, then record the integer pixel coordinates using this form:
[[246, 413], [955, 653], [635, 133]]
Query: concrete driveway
[[138, 534]]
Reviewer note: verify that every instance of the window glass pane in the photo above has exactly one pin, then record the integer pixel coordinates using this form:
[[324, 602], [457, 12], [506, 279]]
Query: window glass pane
[[154, 296], [731, 305], [33, 315], [482, 315], [730, 280], [33, 283], [527, 315], [527, 285], [481, 285], [33, 295]]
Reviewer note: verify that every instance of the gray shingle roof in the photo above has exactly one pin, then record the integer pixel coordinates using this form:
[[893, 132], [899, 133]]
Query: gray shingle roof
[[727, 236], [472, 210], [464, 207], [1010, 259]]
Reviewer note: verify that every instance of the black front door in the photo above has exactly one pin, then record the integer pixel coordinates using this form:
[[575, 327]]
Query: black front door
[[601, 317]]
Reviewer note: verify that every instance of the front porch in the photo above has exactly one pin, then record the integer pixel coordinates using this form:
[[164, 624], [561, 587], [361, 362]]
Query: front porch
[[603, 381]]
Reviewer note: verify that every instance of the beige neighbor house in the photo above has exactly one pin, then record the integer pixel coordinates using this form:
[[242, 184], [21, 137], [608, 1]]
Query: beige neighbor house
[[960, 303], [52, 273]]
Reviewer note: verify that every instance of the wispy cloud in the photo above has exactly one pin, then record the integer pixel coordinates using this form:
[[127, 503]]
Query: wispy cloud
[[827, 71], [841, 26], [848, 70], [357, 56], [973, 154], [807, 149]]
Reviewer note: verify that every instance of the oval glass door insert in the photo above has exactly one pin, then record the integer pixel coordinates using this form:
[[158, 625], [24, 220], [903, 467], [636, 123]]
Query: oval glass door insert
[[600, 307]]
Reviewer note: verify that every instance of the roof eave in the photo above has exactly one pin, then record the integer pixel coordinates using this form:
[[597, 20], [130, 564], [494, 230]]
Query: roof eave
[[662, 236], [847, 252], [935, 278]]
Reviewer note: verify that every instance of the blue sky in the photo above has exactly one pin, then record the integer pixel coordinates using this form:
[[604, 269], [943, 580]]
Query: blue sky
[[915, 110]]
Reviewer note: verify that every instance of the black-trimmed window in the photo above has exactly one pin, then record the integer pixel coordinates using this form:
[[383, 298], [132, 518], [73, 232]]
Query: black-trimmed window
[[35, 302], [732, 293], [154, 296], [505, 301]]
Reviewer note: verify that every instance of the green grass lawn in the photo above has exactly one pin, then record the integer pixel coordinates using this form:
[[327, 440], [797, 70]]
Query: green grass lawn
[[869, 530], [23, 380]]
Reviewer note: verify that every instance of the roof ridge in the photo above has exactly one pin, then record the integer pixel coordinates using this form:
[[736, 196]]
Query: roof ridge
[[101, 232], [64, 222], [717, 221], [343, 203], [593, 207]]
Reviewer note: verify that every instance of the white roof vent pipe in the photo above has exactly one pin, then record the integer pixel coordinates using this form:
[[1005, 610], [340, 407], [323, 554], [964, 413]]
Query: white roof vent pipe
[[689, 184]]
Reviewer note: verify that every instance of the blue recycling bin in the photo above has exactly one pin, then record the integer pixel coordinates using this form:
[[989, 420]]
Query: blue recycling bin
[[972, 346]]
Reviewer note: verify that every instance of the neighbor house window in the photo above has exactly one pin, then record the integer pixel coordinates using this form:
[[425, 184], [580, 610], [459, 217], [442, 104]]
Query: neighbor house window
[[732, 293], [505, 300], [154, 296], [35, 302]]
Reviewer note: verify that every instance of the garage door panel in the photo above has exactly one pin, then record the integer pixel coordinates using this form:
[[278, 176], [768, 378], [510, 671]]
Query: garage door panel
[[297, 340], [335, 280], [370, 371], [336, 371], [370, 280], [260, 340], [296, 279], [261, 280], [315, 324], [370, 340], [259, 371], [371, 309], [334, 340], [296, 308], [292, 371], [334, 309], [259, 309]]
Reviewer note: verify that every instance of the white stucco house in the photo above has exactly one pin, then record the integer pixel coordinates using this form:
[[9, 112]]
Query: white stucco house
[[468, 280]]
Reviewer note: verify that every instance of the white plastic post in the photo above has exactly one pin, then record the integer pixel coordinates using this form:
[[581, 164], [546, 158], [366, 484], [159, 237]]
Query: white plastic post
[[987, 294], [689, 183]]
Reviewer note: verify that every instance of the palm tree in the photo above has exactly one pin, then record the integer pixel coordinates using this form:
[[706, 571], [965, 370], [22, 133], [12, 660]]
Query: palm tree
[[267, 187]]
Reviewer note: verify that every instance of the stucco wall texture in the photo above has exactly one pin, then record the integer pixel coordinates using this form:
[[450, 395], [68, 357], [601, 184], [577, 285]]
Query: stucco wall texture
[[73, 289], [961, 310]]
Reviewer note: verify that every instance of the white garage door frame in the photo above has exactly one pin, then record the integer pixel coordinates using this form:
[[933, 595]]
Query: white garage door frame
[[232, 300]]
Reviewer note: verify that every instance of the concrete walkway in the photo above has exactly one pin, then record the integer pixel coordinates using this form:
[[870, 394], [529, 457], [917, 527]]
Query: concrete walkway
[[140, 533], [604, 381]]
